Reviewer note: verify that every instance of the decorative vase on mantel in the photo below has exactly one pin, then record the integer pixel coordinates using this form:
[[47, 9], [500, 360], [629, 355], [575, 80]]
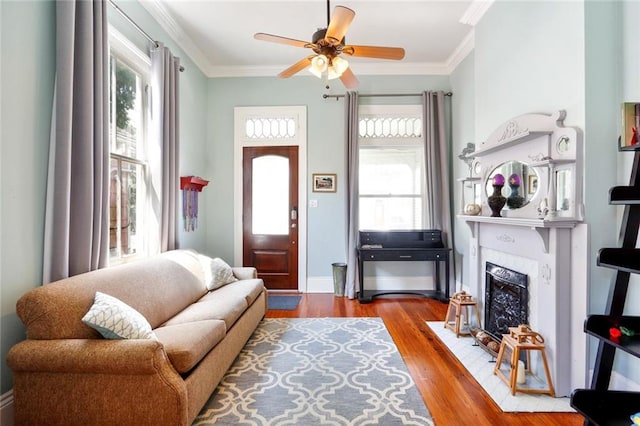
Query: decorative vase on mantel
[[497, 200], [514, 200]]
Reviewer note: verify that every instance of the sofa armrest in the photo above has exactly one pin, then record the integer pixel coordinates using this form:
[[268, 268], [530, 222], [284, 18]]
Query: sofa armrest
[[92, 356], [96, 382], [245, 272]]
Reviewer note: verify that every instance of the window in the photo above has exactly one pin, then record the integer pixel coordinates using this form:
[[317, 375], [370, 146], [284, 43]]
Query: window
[[391, 167], [129, 74]]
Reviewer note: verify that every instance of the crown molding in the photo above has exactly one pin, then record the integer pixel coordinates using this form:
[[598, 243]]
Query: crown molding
[[370, 68], [465, 47], [475, 12], [163, 17]]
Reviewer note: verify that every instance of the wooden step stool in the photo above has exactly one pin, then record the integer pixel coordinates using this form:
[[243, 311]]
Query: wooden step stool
[[522, 338], [457, 302]]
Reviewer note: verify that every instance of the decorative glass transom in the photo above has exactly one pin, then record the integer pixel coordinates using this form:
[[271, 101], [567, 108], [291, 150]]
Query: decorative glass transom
[[390, 127], [270, 128]]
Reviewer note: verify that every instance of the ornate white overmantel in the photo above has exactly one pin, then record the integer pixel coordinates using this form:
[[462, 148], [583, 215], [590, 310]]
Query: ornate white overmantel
[[536, 238]]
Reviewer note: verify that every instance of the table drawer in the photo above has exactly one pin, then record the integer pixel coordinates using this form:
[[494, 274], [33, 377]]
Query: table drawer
[[402, 255]]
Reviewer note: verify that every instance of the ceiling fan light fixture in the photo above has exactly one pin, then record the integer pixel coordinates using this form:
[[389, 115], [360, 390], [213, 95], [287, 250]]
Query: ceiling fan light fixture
[[332, 74], [320, 63], [315, 72], [327, 43], [339, 65]]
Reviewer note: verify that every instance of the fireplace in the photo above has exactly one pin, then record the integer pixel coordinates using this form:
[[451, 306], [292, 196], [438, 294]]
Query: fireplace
[[506, 301]]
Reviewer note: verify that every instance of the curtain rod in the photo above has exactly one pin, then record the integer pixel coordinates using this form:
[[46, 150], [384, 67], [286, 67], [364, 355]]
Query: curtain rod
[[381, 95], [136, 26]]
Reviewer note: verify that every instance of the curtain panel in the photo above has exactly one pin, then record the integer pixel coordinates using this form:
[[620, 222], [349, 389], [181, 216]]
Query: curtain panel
[[165, 70], [76, 218], [353, 193], [437, 167]]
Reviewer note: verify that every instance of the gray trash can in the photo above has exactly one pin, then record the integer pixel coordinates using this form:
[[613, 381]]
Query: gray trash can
[[339, 278]]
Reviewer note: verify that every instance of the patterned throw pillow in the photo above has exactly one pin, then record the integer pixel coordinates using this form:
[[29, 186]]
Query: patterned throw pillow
[[216, 272], [115, 319]]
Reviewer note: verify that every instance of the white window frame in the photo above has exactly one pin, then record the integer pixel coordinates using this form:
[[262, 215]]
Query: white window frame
[[140, 62], [394, 111]]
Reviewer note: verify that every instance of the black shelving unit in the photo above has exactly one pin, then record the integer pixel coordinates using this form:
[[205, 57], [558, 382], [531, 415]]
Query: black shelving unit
[[599, 405]]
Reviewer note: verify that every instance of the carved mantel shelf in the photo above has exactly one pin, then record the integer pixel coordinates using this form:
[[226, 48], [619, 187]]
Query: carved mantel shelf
[[541, 227]]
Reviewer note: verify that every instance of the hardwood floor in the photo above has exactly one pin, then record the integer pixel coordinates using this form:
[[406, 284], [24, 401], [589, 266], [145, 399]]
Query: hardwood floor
[[451, 394]]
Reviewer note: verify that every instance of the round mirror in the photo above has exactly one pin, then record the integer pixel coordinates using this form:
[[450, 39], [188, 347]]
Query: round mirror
[[519, 183]]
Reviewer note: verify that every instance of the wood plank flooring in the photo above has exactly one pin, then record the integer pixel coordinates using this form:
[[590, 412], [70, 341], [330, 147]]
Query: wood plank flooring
[[451, 394]]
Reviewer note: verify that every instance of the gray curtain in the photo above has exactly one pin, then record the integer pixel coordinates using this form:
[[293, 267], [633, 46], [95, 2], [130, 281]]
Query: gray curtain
[[165, 69], [76, 218], [437, 167], [352, 193]]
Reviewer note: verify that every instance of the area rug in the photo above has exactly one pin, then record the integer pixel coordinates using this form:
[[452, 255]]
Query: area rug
[[283, 303], [478, 364], [315, 371]]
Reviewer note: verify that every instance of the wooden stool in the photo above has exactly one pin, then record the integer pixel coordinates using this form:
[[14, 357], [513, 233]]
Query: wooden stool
[[521, 338], [457, 302]]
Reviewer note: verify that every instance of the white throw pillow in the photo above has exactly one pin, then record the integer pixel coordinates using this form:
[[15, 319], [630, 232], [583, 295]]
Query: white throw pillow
[[216, 272], [114, 319]]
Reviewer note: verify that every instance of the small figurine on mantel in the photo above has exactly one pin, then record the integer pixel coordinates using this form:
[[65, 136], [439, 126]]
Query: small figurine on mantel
[[467, 157]]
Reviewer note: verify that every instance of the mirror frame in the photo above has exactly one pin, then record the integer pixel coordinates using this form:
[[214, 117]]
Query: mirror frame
[[542, 142]]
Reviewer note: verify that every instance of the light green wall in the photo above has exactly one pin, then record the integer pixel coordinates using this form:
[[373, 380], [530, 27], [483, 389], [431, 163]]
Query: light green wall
[[27, 76], [529, 58], [631, 93], [326, 151], [463, 118], [28, 60]]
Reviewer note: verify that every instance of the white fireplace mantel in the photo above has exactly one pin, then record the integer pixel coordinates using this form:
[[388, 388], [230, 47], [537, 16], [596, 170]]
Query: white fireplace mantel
[[538, 238], [541, 227]]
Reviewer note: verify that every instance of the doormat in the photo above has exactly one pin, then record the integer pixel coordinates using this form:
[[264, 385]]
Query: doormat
[[283, 303]]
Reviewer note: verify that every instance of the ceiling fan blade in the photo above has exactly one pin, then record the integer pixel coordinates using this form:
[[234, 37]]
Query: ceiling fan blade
[[297, 67], [375, 52], [339, 24], [349, 79], [282, 40]]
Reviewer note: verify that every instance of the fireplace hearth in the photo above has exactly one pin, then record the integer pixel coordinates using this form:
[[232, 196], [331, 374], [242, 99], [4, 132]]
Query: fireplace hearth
[[506, 302]]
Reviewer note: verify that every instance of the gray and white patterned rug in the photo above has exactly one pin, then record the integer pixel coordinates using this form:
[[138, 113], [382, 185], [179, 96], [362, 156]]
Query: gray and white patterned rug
[[317, 371]]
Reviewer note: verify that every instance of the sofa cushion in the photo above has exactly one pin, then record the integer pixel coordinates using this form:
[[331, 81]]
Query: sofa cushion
[[227, 309], [186, 344], [249, 289], [216, 272], [158, 288], [115, 319]]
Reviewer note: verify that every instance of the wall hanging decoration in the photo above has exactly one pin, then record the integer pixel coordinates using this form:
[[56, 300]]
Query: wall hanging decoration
[[191, 186]]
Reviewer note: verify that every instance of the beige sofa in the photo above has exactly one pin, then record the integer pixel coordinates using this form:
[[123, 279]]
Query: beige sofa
[[66, 373]]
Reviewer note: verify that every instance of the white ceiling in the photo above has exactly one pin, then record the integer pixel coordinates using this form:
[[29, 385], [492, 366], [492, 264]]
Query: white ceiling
[[218, 34]]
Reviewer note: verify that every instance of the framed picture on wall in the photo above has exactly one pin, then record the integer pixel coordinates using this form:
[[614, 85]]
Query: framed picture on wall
[[324, 182]]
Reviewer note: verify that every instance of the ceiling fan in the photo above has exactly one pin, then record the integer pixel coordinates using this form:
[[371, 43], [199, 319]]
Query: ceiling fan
[[328, 44]]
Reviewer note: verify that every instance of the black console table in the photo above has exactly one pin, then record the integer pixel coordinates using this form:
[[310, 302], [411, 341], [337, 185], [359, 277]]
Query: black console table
[[414, 246]]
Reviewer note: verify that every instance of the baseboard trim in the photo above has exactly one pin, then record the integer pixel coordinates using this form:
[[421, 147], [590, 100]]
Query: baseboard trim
[[325, 284], [6, 408]]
